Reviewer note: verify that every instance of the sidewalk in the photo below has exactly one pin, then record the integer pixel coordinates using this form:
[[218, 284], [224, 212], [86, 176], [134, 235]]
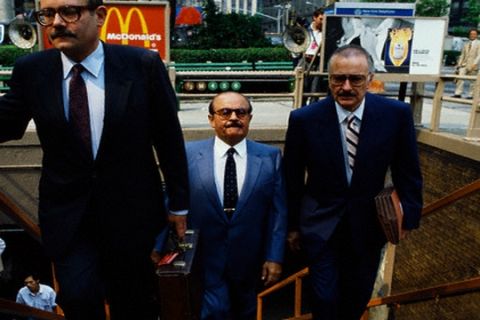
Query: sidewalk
[[274, 113]]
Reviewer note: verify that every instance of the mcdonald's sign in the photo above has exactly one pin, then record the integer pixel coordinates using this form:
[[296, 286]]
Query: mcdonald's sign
[[140, 24]]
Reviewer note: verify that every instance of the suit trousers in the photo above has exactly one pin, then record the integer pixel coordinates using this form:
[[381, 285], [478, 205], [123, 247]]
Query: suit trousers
[[90, 273], [230, 299], [460, 83], [342, 279]]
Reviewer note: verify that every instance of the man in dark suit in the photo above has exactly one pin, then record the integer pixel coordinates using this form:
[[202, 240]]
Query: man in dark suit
[[333, 210], [98, 111], [242, 229]]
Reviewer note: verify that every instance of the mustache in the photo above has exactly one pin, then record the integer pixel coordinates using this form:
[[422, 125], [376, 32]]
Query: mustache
[[346, 94], [234, 124], [62, 33]]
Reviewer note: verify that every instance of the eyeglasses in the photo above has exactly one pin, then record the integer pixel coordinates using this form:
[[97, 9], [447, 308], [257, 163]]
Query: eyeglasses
[[226, 113], [356, 80], [69, 14]]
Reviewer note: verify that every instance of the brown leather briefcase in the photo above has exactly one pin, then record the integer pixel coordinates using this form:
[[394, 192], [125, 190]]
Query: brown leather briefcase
[[390, 213], [179, 282]]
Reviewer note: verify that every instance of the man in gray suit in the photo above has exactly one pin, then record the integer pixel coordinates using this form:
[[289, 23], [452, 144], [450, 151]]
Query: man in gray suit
[[238, 197]]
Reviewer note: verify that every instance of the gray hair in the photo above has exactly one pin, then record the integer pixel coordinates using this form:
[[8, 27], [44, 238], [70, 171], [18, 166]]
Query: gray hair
[[352, 50]]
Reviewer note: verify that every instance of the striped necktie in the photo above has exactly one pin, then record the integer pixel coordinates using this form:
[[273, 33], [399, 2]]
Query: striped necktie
[[352, 134]]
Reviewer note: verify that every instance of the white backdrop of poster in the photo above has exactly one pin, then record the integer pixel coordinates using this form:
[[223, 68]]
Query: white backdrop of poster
[[427, 46], [397, 44]]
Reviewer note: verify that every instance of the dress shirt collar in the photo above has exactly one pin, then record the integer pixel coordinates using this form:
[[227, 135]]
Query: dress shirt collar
[[221, 148], [92, 63], [344, 113], [40, 291]]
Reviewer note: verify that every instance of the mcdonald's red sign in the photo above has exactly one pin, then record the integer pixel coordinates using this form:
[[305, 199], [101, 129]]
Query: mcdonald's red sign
[[141, 24]]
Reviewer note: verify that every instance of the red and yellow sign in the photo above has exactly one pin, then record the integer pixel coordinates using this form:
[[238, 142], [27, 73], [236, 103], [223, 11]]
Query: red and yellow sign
[[141, 25], [137, 24]]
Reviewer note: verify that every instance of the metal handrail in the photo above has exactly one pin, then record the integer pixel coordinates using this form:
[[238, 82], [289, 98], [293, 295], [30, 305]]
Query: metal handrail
[[452, 288], [8, 307]]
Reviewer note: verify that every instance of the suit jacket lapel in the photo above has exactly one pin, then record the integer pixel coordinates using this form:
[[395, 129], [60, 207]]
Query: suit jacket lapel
[[254, 164], [331, 140], [117, 90], [369, 130], [205, 172], [52, 95]]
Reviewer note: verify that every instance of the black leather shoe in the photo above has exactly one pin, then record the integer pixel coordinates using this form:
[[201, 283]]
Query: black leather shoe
[[456, 96], [469, 97]]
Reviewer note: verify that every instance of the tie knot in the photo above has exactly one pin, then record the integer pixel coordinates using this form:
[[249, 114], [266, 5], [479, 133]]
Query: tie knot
[[351, 118], [231, 152], [77, 69]]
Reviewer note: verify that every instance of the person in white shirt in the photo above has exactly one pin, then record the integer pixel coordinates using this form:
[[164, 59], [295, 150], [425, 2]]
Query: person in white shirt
[[37, 295], [468, 63], [312, 54]]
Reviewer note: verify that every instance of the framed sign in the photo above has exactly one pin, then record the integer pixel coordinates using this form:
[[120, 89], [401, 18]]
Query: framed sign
[[397, 44]]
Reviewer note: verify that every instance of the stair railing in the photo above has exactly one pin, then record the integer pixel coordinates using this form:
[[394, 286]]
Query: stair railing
[[452, 288]]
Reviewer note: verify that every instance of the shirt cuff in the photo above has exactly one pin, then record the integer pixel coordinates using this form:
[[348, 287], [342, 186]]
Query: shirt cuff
[[179, 212]]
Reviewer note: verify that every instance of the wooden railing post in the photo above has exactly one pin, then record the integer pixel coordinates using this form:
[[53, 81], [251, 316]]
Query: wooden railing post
[[473, 131], [298, 297], [437, 106], [298, 92]]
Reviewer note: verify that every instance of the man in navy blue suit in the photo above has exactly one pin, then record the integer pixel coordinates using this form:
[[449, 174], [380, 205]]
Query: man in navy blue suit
[[242, 233], [337, 154], [102, 113]]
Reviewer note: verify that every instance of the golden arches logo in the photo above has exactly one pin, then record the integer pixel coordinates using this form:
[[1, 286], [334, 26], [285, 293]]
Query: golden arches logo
[[125, 25]]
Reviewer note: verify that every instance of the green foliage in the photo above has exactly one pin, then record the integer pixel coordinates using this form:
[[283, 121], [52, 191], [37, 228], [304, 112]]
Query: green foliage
[[230, 55], [228, 31], [473, 13], [426, 8], [10, 53], [460, 31], [432, 8], [451, 57]]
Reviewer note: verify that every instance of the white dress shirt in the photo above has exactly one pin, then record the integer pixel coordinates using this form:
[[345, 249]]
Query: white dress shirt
[[94, 78], [220, 158], [342, 120]]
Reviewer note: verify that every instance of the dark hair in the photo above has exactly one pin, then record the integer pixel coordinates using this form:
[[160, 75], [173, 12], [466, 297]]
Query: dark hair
[[352, 50], [473, 29], [95, 3], [210, 106], [34, 275], [318, 12]]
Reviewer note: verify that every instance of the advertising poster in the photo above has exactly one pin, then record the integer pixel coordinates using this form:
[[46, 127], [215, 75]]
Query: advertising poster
[[396, 44]]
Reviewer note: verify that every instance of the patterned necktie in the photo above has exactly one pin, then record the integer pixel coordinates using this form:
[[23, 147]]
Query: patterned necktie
[[230, 192], [352, 139], [78, 107]]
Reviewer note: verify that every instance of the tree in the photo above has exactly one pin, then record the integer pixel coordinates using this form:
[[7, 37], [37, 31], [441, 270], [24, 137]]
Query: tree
[[473, 13], [432, 8], [228, 31]]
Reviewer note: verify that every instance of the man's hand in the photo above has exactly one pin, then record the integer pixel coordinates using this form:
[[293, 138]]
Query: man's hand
[[155, 257], [271, 272], [293, 241], [180, 222], [404, 233]]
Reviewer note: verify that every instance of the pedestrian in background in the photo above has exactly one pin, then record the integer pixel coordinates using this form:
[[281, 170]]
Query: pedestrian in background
[[468, 63]]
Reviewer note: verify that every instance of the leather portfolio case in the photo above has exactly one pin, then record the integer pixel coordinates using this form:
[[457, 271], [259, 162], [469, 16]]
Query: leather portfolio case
[[390, 213], [179, 281]]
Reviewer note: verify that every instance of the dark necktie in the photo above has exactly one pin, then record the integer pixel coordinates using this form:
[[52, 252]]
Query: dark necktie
[[352, 139], [78, 107], [230, 191]]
